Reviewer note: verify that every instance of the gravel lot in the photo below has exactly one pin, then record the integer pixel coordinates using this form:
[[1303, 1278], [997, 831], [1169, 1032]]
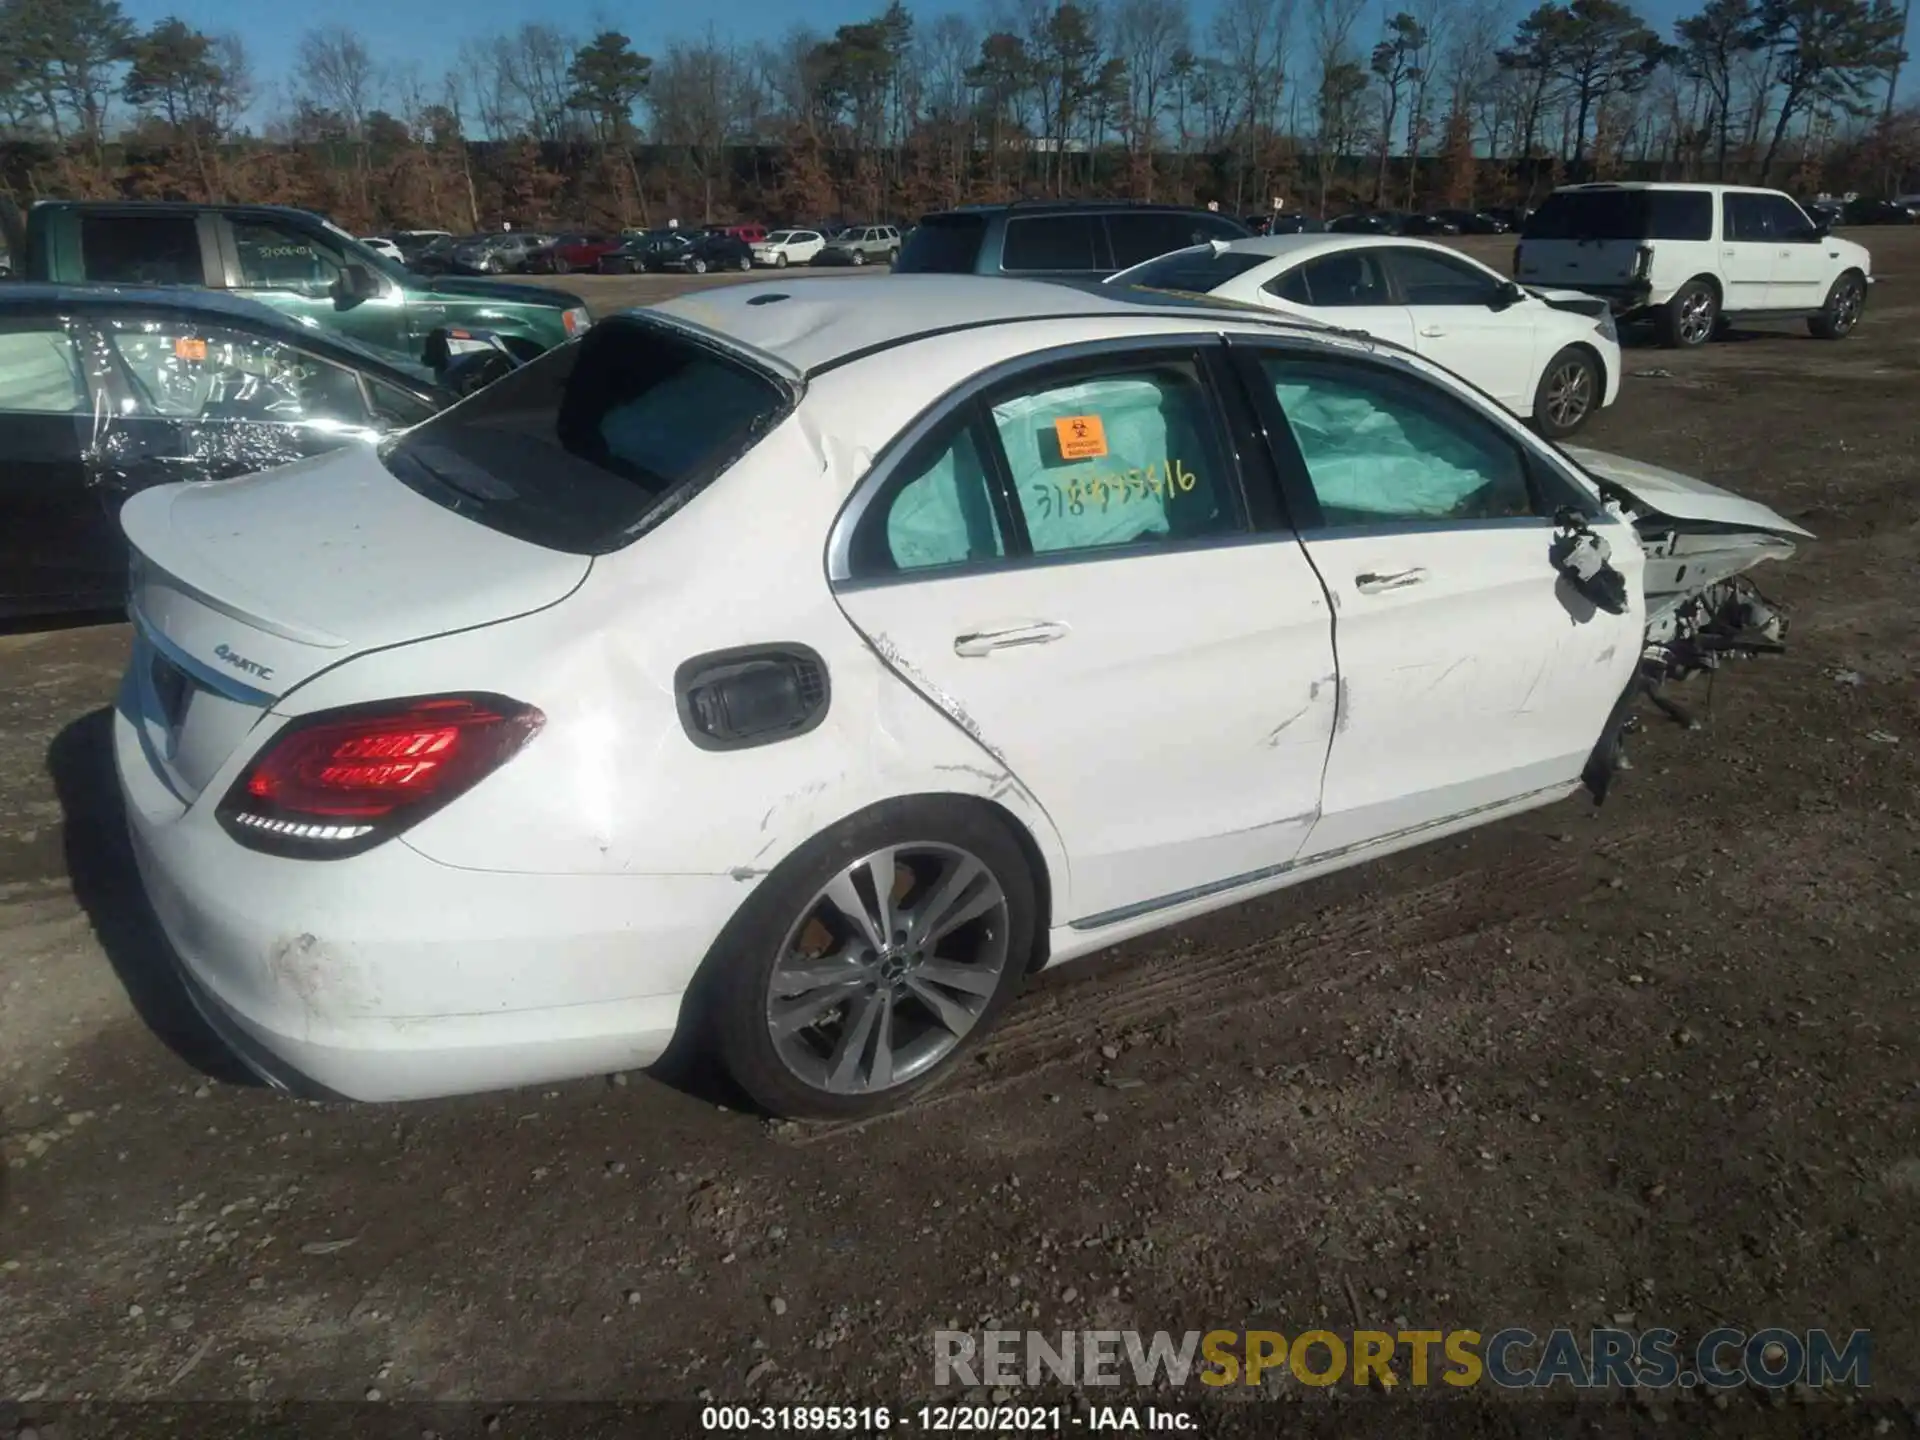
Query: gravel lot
[[1655, 1061]]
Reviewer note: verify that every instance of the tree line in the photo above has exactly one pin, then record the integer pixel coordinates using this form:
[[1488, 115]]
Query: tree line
[[1318, 102]]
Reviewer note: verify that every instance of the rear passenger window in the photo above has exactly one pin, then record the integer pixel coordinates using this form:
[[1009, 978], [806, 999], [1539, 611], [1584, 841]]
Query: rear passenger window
[[1679, 215], [1051, 242], [1117, 459], [1345, 279], [1380, 448], [935, 510], [1745, 216], [141, 249]]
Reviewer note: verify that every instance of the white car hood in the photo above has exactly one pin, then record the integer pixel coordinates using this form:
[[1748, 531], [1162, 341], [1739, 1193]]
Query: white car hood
[[1681, 497]]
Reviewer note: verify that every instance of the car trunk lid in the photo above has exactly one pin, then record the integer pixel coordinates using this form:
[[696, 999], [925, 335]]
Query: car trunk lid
[[242, 590]]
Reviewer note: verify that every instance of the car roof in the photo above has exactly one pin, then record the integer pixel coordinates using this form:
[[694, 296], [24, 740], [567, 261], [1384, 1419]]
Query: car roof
[[1304, 246], [1057, 207], [34, 294], [1606, 185], [814, 324]]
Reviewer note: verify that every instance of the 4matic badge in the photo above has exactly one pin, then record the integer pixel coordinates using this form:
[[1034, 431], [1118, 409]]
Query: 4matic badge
[[240, 662]]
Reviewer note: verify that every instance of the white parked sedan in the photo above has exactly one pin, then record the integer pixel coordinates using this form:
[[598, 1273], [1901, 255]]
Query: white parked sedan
[[796, 669], [789, 247], [1550, 355]]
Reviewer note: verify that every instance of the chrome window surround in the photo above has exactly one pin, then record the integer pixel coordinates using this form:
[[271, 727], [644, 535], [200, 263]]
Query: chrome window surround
[[943, 410], [1348, 347]]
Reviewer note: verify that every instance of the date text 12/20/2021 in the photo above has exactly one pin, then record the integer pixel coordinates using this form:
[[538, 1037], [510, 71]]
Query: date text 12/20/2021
[[941, 1419]]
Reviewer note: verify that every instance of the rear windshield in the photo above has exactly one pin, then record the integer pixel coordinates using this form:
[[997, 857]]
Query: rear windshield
[[594, 443], [1196, 270], [1622, 215], [943, 245]]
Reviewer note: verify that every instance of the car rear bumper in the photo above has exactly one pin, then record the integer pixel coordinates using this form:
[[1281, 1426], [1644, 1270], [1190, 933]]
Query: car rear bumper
[[405, 978]]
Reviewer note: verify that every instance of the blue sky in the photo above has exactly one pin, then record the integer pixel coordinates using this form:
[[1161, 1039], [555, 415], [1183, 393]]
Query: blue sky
[[429, 35]]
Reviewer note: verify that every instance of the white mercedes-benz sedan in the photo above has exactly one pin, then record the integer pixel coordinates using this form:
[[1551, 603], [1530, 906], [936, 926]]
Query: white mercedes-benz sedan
[[795, 669], [1547, 355]]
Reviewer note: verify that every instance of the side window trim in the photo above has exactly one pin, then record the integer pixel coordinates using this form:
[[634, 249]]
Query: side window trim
[[943, 413]]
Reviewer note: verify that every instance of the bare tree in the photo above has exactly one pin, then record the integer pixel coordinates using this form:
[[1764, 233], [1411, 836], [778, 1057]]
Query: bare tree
[[1337, 95], [1148, 38], [1251, 37]]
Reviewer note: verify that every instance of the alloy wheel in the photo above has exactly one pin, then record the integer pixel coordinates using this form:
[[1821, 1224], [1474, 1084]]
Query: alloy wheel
[[1696, 317], [888, 968], [1848, 300], [1569, 395]]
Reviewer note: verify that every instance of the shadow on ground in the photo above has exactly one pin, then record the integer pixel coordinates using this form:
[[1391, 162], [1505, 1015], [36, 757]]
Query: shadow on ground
[[100, 866]]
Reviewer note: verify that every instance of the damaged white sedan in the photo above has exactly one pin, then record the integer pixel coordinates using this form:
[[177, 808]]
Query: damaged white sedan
[[794, 670]]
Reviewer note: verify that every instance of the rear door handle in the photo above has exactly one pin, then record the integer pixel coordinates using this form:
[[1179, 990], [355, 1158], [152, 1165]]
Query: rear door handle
[[1371, 584], [1432, 332], [1006, 637]]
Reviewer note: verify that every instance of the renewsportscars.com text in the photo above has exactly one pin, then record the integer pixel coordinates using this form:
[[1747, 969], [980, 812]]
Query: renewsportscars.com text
[[1511, 1358]]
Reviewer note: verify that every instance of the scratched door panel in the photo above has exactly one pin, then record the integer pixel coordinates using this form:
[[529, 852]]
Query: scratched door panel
[[1484, 679], [1175, 732]]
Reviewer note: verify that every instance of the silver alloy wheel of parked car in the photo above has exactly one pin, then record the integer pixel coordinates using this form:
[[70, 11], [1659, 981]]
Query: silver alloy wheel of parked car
[[859, 257], [888, 968], [746, 263], [779, 259], [697, 266], [1697, 315], [1845, 302], [1569, 393]]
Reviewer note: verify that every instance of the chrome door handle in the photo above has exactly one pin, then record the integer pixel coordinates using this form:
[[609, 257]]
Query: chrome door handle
[[1432, 332], [1006, 637], [1371, 584]]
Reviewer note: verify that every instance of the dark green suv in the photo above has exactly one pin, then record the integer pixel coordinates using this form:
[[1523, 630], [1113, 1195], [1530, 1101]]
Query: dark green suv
[[293, 260]]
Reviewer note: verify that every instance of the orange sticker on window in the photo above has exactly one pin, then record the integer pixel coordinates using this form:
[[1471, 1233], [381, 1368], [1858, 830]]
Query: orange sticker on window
[[189, 349], [1082, 437]]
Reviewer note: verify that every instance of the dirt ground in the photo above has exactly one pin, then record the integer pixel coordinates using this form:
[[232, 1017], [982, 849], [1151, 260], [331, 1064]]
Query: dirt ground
[[1656, 1061]]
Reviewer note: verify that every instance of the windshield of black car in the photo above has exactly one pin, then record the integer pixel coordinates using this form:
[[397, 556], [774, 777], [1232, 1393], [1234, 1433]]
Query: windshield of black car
[[595, 442], [1198, 270]]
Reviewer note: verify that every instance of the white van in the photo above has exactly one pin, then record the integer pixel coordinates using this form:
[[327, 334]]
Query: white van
[[1689, 256]]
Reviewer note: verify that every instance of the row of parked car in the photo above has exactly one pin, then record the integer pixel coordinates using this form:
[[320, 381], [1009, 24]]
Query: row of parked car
[[694, 250]]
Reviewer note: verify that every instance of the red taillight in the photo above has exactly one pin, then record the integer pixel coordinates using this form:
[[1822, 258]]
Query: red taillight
[[341, 781]]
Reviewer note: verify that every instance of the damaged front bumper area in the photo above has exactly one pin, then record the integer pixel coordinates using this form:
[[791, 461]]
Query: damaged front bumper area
[[1699, 542]]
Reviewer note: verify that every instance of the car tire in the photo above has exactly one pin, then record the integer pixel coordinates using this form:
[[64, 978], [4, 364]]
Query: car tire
[[561, 266], [746, 263], [1689, 319], [697, 266], [1841, 313], [780, 260], [1571, 388], [781, 936], [859, 257]]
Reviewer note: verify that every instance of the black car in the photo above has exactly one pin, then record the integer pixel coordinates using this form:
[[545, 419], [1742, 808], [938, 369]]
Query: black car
[[1056, 238], [1294, 222], [1428, 223], [1875, 212], [1511, 216], [1473, 222], [105, 391], [694, 253], [1369, 222], [1825, 212]]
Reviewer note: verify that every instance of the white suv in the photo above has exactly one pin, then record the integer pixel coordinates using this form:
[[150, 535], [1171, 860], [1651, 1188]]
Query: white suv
[[1688, 256]]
